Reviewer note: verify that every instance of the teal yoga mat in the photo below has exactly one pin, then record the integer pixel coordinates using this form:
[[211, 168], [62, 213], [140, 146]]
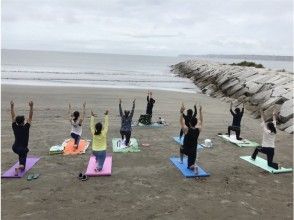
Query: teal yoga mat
[[152, 125], [263, 165], [242, 143], [117, 146]]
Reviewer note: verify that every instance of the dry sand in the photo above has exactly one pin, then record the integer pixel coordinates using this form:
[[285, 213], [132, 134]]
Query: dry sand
[[143, 185]]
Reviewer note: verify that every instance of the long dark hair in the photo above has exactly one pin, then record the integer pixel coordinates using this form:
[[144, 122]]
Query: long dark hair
[[271, 127], [98, 128], [190, 113], [76, 114]]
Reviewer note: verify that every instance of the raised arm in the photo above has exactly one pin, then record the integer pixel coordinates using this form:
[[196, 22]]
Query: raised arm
[[242, 112], [84, 113], [262, 115], [231, 106], [31, 104], [182, 121], [106, 122], [195, 111], [200, 120], [92, 123], [133, 109], [274, 117], [120, 110], [148, 96], [12, 111], [69, 112]]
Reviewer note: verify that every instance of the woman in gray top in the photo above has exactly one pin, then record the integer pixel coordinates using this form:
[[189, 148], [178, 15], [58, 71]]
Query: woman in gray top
[[126, 122]]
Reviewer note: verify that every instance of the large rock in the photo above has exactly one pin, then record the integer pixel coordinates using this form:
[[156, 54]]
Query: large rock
[[260, 97], [286, 125], [229, 84], [252, 87], [288, 95], [286, 110], [271, 101], [279, 91], [290, 129]]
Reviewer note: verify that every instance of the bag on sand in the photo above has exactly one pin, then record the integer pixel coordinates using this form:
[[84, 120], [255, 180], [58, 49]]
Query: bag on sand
[[145, 119]]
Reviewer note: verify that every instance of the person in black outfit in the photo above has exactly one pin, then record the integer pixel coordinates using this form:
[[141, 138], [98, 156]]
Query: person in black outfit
[[192, 132], [147, 118], [188, 118], [236, 125], [21, 134], [150, 103]]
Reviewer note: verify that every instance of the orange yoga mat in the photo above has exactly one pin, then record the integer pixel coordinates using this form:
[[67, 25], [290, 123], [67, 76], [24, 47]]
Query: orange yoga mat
[[69, 149]]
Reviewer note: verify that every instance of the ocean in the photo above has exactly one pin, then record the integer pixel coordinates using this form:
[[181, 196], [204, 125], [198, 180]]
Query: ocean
[[91, 70], [20, 67]]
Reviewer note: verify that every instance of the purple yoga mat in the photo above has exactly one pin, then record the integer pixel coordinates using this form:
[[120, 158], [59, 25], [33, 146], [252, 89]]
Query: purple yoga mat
[[31, 160], [106, 171]]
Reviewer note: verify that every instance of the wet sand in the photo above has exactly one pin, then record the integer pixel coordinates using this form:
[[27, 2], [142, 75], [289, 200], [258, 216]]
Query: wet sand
[[143, 185]]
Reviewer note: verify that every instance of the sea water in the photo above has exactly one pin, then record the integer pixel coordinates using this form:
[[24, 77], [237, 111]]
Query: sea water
[[91, 70]]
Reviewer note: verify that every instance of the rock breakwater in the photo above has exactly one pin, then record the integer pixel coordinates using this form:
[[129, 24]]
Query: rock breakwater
[[256, 88]]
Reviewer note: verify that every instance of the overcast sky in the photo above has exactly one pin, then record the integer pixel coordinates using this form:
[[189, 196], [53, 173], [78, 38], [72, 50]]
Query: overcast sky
[[154, 27]]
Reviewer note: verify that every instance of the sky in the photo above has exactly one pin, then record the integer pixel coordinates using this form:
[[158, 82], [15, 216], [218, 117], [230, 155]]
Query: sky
[[150, 27]]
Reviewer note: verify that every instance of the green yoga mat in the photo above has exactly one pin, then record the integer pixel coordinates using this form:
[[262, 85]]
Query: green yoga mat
[[116, 143], [242, 143], [58, 149], [263, 165]]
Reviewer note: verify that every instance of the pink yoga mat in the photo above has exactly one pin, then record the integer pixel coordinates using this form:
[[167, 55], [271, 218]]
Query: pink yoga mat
[[31, 160], [106, 171]]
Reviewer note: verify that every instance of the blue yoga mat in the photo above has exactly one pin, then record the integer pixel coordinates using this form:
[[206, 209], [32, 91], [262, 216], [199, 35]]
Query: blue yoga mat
[[180, 141], [185, 171]]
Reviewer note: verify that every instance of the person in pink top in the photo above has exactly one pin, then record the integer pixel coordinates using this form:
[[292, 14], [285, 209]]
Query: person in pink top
[[268, 141]]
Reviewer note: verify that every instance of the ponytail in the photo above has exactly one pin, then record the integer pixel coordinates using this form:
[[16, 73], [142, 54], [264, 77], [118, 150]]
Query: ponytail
[[98, 128]]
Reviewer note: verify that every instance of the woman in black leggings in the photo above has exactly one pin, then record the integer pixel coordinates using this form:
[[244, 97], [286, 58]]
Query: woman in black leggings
[[21, 134]]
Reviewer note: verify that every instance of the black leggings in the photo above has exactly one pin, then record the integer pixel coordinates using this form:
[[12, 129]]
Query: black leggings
[[76, 137], [269, 151], [126, 134], [191, 153], [236, 129], [22, 154]]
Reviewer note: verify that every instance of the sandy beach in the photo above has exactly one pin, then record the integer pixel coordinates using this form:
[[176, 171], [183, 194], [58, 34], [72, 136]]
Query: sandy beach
[[143, 185]]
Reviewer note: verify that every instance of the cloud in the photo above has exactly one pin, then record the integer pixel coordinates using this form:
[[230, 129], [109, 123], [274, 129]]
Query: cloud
[[150, 26]]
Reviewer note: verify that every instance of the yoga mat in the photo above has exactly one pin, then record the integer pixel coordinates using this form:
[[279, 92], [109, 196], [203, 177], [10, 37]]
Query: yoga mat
[[241, 143], [185, 171], [69, 149], [31, 161], [117, 147], [180, 141], [106, 170], [263, 165], [58, 149], [152, 125]]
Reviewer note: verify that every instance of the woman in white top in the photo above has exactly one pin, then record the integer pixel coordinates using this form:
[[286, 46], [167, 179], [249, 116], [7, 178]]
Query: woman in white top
[[268, 141], [76, 124]]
